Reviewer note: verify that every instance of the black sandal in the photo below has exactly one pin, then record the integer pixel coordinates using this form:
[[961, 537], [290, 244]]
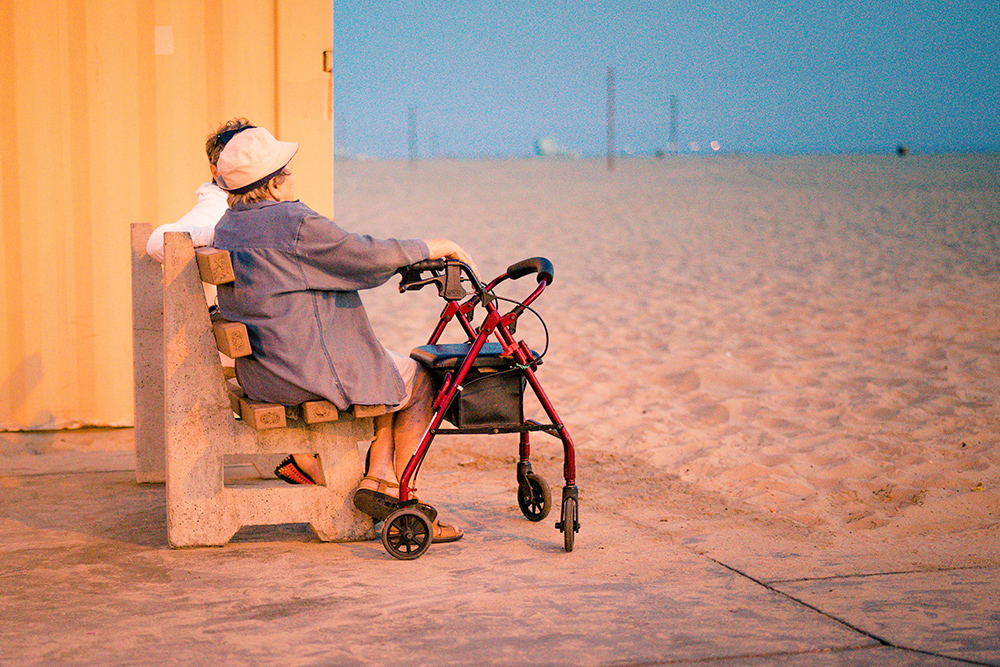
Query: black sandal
[[374, 502], [379, 505]]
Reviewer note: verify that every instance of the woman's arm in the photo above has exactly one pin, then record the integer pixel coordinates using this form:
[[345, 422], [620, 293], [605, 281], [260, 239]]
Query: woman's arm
[[200, 221]]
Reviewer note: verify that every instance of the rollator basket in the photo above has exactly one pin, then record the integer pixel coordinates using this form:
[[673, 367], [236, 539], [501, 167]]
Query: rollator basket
[[492, 394], [489, 398]]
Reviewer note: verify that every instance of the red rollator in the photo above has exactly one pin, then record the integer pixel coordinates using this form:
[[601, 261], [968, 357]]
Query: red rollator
[[482, 384]]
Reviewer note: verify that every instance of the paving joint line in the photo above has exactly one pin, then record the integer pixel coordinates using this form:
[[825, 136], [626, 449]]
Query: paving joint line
[[743, 656], [867, 575], [759, 582], [967, 661], [871, 635]]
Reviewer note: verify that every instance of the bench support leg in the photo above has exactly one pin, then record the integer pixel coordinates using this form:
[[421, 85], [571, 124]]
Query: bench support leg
[[147, 359]]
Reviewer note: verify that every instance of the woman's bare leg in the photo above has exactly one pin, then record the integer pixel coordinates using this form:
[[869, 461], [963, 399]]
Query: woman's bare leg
[[398, 434], [381, 459], [410, 423]]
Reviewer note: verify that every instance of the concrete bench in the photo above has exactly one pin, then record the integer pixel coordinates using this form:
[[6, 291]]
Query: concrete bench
[[206, 421]]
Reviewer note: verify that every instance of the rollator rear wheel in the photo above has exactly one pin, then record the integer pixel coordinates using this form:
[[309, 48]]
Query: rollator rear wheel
[[534, 498], [407, 534], [569, 522]]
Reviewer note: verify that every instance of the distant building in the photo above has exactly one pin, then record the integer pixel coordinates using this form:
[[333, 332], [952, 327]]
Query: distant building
[[546, 147]]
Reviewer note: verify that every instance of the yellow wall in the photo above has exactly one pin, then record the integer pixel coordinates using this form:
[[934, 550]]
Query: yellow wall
[[99, 130]]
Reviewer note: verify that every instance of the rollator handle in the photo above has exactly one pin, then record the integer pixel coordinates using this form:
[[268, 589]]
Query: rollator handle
[[449, 283], [526, 267]]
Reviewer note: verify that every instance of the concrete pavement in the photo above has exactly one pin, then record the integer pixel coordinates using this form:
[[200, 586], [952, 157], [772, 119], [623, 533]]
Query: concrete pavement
[[660, 575]]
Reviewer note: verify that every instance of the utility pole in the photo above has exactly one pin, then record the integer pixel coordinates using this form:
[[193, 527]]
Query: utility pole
[[412, 122], [611, 119], [673, 124]]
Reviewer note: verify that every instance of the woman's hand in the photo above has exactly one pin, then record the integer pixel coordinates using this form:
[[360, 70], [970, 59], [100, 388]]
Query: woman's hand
[[445, 249]]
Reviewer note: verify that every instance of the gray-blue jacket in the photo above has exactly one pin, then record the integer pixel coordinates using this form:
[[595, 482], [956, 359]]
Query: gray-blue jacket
[[296, 290]]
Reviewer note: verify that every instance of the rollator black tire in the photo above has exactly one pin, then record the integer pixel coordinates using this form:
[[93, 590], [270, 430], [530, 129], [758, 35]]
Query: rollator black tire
[[534, 498], [407, 534], [569, 522]]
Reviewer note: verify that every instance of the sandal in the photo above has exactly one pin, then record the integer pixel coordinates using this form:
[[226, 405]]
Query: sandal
[[289, 471], [444, 533], [375, 502]]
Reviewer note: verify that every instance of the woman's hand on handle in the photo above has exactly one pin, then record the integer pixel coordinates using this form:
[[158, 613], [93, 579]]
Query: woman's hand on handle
[[445, 249]]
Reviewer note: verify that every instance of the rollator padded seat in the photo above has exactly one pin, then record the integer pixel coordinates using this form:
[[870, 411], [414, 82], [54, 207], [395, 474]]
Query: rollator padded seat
[[450, 356]]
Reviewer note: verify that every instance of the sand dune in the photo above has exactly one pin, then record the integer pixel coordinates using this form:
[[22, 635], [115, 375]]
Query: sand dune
[[817, 337]]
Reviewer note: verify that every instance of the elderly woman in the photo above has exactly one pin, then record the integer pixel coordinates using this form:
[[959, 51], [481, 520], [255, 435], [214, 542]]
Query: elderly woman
[[297, 280], [210, 204]]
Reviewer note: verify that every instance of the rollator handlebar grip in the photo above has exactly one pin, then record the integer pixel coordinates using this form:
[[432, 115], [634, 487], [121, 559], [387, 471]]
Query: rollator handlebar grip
[[525, 267], [427, 265]]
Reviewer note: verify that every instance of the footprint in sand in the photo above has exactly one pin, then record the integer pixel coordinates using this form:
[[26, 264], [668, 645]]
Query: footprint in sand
[[681, 383], [707, 415]]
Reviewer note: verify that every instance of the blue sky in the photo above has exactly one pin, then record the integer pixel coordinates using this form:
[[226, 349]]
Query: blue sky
[[488, 77]]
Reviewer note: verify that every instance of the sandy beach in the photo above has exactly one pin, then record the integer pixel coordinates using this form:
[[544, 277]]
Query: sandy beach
[[810, 337]]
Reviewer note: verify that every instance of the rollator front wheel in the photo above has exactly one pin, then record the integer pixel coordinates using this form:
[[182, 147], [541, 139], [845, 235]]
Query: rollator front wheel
[[407, 534], [569, 524], [534, 497]]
